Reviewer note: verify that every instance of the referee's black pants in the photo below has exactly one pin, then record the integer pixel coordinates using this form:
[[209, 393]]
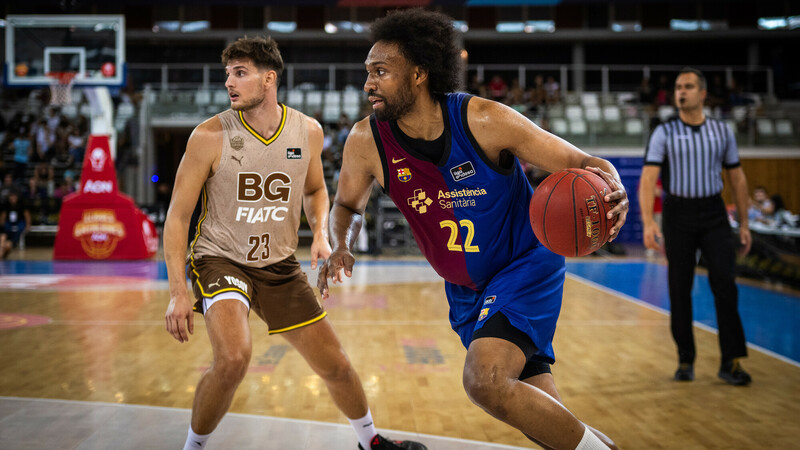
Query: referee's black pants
[[688, 225]]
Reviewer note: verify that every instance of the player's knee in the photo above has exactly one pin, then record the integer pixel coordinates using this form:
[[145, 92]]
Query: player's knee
[[233, 366], [336, 369], [486, 388]]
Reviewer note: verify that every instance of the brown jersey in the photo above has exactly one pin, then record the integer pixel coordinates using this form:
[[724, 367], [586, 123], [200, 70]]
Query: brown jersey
[[251, 205]]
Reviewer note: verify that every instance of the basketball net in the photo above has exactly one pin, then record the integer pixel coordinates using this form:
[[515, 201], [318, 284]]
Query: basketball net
[[61, 87]]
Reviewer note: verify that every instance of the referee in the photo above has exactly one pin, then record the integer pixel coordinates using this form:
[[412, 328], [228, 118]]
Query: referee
[[690, 152]]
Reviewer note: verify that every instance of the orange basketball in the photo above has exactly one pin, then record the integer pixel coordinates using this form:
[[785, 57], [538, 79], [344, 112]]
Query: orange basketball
[[568, 213], [108, 69], [21, 70]]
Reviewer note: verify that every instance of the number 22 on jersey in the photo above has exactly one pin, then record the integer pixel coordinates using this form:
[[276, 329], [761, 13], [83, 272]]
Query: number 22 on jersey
[[451, 242]]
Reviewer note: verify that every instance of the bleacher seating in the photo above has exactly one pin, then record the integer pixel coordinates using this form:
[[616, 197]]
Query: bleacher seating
[[765, 127], [783, 128], [574, 112], [590, 99], [313, 103], [634, 127], [333, 106], [221, 98], [577, 127], [665, 112], [351, 103], [559, 126], [590, 118]]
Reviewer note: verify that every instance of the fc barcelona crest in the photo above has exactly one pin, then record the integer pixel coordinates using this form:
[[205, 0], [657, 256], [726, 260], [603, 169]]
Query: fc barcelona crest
[[404, 174]]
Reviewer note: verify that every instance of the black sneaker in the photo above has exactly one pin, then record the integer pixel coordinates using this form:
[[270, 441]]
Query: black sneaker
[[685, 372], [733, 373], [380, 443]]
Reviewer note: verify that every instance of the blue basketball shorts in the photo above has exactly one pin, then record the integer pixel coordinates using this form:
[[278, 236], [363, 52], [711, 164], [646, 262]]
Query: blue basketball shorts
[[528, 292]]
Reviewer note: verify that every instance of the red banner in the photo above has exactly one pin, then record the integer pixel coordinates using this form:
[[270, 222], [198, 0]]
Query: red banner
[[99, 222]]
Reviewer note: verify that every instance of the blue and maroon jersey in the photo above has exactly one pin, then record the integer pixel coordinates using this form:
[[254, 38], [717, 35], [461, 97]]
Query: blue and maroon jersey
[[469, 216]]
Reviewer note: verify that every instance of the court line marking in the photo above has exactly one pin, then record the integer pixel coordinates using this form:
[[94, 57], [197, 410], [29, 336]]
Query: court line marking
[[352, 322], [260, 417], [666, 312]]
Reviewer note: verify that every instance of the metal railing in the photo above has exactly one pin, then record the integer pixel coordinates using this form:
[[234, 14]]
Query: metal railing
[[603, 78]]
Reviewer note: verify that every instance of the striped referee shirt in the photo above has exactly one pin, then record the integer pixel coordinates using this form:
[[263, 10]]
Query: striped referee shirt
[[692, 156]]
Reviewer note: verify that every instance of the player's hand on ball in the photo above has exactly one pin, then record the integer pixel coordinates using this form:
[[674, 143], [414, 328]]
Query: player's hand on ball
[[618, 197]]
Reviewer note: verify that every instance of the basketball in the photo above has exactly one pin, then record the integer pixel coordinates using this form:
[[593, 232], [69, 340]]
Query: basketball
[[568, 213], [21, 70], [108, 69]]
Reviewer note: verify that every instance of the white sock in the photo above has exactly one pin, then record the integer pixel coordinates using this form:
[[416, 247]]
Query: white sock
[[194, 440], [590, 441], [365, 429]]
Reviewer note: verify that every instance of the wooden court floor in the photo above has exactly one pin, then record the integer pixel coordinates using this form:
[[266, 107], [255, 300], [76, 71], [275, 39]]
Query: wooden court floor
[[104, 341]]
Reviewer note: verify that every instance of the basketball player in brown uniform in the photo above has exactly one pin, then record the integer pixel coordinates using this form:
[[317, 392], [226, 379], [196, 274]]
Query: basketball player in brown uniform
[[254, 166]]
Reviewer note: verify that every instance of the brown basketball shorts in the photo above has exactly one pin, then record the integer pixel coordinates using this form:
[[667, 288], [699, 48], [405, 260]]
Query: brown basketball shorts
[[279, 293]]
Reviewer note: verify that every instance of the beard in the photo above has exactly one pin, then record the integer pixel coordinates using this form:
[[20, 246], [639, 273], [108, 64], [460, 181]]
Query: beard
[[396, 107], [249, 104]]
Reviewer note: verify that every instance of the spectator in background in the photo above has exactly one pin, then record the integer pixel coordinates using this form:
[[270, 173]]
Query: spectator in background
[[663, 95], [15, 220], [61, 159], [552, 91], [70, 177], [537, 97], [42, 186], [22, 147], [783, 217], [515, 98], [737, 97], [718, 94], [645, 92], [476, 86], [76, 144], [7, 187], [762, 209], [343, 125], [53, 119], [44, 139], [498, 89], [63, 188]]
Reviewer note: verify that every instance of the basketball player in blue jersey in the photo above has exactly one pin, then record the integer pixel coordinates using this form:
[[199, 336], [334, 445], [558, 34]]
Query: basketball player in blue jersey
[[450, 163]]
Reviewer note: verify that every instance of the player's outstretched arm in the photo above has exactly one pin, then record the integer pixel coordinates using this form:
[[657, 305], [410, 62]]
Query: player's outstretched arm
[[202, 152], [315, 195], [360, 164], [498, 128]]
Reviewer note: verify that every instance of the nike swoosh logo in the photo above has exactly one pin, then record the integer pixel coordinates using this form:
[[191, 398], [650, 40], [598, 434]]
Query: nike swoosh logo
[[395, 161]]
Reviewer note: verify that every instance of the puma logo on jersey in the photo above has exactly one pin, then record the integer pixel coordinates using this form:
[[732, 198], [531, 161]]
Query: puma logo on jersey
[[236, 282], [395, 161], [239, 160], [216, 283]]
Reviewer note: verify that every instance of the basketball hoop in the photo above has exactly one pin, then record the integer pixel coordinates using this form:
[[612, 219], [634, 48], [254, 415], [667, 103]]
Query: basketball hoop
[[61, 87]]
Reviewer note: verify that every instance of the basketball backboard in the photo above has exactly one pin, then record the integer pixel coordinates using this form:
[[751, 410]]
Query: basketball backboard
[[93, 47]]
